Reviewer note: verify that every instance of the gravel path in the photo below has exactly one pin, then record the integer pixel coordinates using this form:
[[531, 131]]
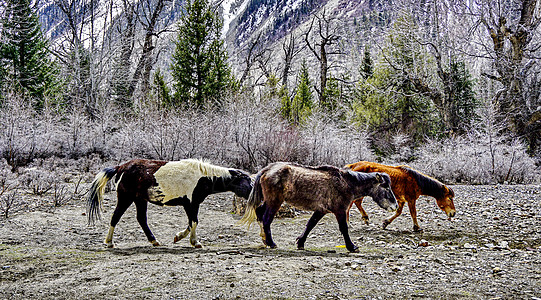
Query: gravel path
[[491, 250]]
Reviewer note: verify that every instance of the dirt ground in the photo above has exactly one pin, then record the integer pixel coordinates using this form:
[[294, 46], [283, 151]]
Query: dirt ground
[[491, 250]]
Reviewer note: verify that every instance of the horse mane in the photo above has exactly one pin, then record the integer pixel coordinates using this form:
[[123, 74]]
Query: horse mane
[[429, 186], [207, 169]]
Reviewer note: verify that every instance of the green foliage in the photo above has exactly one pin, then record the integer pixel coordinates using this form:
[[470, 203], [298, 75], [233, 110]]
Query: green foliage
[[387, 100], [24, 59], [367, 67], [463, 102], [200, 71], [296, 110], [161, 90]]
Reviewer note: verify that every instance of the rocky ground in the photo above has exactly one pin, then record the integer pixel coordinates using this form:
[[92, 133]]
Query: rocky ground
[[491, 250]]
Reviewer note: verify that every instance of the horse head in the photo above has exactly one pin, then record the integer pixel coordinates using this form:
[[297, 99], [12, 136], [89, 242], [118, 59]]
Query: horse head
[[382, 193], [446, 202], [240, 183]]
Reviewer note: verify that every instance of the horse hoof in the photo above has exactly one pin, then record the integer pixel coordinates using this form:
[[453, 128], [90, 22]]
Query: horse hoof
[[176, 239], [198, 245], [155, 243], [353, 249], [384, 225], [300, 247], [417, 229], [109, 245]]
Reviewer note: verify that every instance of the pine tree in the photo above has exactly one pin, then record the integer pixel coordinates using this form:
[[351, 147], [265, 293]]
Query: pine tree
[[24, 58], [367, 68], [462, 97], [200, 71], [302, 103], [160, 89]]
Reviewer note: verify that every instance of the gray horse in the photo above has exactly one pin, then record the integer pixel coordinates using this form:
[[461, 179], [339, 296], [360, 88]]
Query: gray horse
[[321, 189]]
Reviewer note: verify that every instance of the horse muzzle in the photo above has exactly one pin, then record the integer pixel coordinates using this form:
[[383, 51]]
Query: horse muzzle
[[392, 208], [450, 213]]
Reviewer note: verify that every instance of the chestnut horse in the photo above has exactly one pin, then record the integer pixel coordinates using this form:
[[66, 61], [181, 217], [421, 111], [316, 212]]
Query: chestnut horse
[[186, 183], [319, 189], [407, 184]]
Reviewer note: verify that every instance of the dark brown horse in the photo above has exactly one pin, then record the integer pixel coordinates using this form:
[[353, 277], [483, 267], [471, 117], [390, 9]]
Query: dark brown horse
[[186, 182], [408, 184], [319, 189]]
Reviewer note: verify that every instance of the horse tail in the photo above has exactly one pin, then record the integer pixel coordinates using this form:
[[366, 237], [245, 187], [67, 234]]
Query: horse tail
[[254, 200], [95, 195]]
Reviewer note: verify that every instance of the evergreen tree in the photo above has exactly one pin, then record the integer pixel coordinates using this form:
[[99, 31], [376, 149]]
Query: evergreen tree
[[302, 103], [24, 58], [367, 68], [200, 71], [463, 102], [160, 89]]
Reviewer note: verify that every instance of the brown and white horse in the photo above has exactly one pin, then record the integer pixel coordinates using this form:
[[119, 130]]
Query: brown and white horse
[[186, 183], [323, 190]]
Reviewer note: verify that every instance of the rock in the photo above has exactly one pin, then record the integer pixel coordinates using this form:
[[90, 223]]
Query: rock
[[424, 243], [469, 246], [490, 246], [397, 268], [503, 245]]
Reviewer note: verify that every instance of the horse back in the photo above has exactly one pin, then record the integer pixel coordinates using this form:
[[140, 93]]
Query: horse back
[[138, 174], [308, 188], [403, 183]]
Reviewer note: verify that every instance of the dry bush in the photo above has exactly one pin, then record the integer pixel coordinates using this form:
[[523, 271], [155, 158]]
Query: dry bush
[[10, 200], [37, 181], [477, 159]]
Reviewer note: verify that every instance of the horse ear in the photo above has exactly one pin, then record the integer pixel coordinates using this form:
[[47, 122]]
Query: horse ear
[[379, 178]]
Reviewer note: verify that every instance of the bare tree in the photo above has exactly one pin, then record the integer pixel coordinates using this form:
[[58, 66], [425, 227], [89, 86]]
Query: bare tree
[[514, 49], [326, 36], [76, 57], [149, 19], [291, 49], [256, 57]]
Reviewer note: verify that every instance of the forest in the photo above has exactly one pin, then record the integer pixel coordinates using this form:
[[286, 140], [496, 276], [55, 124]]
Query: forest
[[452, 88]]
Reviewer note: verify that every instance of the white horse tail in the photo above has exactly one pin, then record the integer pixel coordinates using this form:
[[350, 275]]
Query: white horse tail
[[95, 195], [254, 200]]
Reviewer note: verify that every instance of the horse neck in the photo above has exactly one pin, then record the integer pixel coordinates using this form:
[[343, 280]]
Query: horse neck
[[430, 186], [222, 184], [360, 186]]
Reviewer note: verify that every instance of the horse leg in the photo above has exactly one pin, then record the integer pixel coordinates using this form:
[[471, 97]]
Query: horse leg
[[194, 221], [182, 234], [348, 209], [343, 225], [141, 206], [413, 213], [268, 216], [123, 202], [259, 211], [396, 214], [359, 204], [316, 216]]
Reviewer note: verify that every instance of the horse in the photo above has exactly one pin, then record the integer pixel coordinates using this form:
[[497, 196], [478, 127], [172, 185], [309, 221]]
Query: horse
[[407, 185], [320, 189], [165, 183]]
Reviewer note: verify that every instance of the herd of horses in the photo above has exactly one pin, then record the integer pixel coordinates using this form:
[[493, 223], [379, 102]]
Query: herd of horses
[[323, 189]]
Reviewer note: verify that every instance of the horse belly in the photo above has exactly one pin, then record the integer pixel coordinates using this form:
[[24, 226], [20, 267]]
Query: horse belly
[[308, 199]]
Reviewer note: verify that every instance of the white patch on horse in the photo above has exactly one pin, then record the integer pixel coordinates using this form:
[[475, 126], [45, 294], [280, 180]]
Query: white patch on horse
[[177, 179]]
